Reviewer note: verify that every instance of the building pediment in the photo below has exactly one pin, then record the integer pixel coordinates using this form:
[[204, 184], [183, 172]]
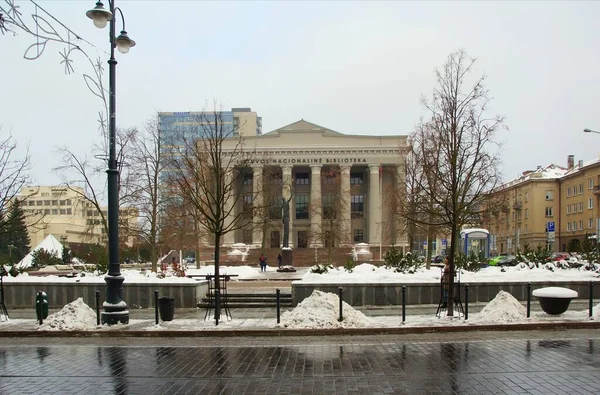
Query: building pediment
[[303, 126]]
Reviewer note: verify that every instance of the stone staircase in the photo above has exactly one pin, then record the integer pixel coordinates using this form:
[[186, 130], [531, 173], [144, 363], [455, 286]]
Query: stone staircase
[[250, 300]]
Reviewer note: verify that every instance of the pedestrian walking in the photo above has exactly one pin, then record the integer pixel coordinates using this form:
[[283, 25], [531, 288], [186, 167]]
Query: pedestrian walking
[[279, 260], [262, 260]]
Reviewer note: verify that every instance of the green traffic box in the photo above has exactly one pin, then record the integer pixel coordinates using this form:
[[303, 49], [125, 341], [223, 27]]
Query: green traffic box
[[41, 305]]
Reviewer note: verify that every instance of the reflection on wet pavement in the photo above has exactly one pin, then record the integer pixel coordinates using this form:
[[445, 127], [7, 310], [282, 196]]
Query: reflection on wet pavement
[[502, 366]]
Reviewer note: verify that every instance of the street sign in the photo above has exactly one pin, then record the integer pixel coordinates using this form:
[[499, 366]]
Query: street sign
[[443, 242], [425, 243], [550, 227], [551, 237]]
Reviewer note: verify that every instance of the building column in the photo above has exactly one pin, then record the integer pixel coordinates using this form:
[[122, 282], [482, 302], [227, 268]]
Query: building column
[[316, 205], [229, 238], [286, 192], [258, 214], [400, 222], [374, 206], [346, 238]]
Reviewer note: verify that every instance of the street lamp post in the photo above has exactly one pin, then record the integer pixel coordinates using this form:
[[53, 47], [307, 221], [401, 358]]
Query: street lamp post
[[115, 308]]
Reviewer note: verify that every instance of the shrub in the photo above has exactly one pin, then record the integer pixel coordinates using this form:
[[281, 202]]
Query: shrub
[[537, 256], [350, 265], [402, 263], [42, 258], [321, 268], [471, 263]]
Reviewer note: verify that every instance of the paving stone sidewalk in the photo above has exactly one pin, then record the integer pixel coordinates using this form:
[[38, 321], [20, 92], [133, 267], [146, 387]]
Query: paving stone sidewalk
[[385, 366]]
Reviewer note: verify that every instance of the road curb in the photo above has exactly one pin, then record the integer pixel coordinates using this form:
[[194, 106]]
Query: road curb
[[282, 332]]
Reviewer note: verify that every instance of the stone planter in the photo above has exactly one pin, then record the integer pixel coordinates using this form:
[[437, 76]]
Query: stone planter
[[554, 300]]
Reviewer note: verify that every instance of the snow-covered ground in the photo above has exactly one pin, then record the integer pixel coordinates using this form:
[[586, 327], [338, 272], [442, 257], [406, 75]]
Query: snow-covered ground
[[367, 273]]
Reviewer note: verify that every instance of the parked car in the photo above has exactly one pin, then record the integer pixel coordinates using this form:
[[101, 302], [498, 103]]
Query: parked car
[[559, 256], [495, 259], [507, 260], [437, 259]]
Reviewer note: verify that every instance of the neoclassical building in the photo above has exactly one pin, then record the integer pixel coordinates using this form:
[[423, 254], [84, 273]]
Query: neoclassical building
[[352, 178]]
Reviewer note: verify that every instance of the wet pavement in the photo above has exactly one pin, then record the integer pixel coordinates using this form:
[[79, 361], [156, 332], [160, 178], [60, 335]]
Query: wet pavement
[[558, 362]]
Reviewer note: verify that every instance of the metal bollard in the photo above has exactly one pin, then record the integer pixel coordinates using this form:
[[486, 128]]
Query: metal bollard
[[217, 306], [156, 306], [39, 307], [341, 293], [528, 300], [591, 306], [403, 303], [97, 307], [277, 292], [466, 302]]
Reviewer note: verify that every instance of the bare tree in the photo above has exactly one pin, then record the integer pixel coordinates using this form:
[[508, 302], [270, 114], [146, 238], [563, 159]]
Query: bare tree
[[206, 172], [81, 176], [14, 175], [455, 150], [266, 206], [146, 194]]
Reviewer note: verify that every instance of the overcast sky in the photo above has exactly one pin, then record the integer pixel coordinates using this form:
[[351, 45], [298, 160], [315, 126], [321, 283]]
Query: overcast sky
[[354, 67]]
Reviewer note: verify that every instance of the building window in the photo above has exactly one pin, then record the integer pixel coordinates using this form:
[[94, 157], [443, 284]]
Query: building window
[[31, 203], [62, 202], [247, 236], [356, 205], [548, 211], [47, 211], [581, 189], [328, 207], [275, 179], [590, 223], [45, 194], [581, 207], [526, 196], [525, 229], [329, 178], [569, 192], [302, 179], [248, 179], [54, 211], [39, 203], [55, 202], [591, 183], [247, 202], [62, 211], [514, 215], [356, 178], [568, 209], [526, 213], [46, 202], [568, 226], [358, 236], [549, 195], [580, 224], [69, 212], [590, 203], [301, 206], [275, 207], [68, 202]]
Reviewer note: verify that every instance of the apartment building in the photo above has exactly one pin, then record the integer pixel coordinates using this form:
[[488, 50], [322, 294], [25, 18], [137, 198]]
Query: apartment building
[[518, 213], [579, 194], [63, 212]]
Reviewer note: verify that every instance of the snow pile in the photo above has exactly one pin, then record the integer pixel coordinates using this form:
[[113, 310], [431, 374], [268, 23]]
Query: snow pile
[[503, 308], [321, 310], [75, 316]]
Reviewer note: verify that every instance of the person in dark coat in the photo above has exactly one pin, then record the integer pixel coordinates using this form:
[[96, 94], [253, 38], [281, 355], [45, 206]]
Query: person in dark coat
[[279, 260], [262, 260]]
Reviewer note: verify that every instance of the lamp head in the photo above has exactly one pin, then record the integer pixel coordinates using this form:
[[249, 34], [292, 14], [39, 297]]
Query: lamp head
[[123, 42], [99, 15]]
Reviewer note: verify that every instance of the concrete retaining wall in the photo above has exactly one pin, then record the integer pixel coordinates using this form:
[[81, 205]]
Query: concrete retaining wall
[[429, 293], [137, 295]]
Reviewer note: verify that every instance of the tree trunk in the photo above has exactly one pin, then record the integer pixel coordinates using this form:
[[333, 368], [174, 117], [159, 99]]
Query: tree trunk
[[217, 279], [451, 259], [153, 257]]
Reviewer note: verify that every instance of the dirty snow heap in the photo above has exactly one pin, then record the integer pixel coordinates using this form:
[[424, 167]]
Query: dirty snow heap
[[502, 309], [321, 310], [75, 316]]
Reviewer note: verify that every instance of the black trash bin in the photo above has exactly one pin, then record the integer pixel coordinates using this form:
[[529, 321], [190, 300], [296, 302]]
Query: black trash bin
[[166, 307]]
